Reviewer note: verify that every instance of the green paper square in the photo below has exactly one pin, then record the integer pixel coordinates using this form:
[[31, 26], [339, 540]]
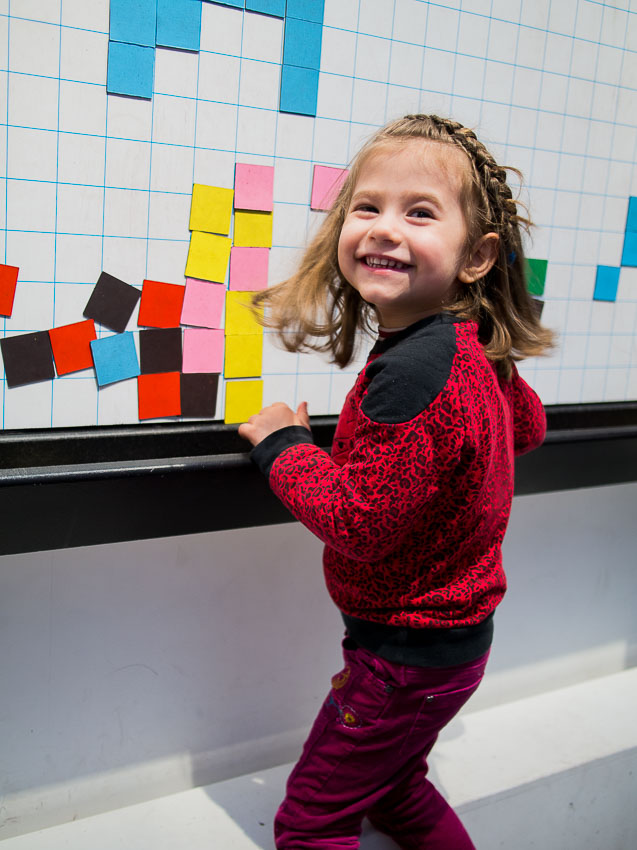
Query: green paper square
[[536, 276]]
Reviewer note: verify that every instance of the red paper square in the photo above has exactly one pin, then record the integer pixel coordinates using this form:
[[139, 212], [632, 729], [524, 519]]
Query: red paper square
[[161, 304], [159, 395], [71, 346], [8, 282]]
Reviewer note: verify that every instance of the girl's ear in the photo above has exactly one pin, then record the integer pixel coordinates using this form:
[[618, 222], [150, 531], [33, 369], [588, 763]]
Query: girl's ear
[[481, 259]]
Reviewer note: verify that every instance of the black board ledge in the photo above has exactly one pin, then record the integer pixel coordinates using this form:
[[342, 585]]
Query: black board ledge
[[71, 487]]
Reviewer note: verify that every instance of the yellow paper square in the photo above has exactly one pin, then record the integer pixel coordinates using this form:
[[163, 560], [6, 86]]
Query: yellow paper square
[[243, 399], [208, 256], [252, 229], [210, 209], [239, 316], [244, 355]]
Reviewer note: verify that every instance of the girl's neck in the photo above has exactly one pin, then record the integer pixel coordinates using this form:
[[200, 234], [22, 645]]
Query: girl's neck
[[386, 332]]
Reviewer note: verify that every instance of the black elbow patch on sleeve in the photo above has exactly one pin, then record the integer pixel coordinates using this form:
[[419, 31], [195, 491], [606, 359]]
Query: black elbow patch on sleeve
[[410, 374]]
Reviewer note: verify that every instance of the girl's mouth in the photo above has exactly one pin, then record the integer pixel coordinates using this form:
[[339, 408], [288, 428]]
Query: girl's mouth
[[384, 263]]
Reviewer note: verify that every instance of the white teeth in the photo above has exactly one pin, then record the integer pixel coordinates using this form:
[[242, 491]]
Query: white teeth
[[384, 262]]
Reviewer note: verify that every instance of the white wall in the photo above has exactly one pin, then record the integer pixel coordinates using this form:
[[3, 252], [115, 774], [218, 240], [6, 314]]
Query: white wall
[[137, 669]]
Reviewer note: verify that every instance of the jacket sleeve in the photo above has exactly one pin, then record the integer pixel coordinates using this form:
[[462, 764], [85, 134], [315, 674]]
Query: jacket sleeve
[[364, 507], [527, 413]]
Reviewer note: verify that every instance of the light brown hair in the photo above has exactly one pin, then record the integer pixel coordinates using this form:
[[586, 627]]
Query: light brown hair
[[317, 309]]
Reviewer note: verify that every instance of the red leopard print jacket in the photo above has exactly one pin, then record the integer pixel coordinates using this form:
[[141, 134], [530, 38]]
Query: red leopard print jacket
[[415, 498]]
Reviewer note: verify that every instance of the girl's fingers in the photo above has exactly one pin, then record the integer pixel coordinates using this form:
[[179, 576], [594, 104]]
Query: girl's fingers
[[303, 415]]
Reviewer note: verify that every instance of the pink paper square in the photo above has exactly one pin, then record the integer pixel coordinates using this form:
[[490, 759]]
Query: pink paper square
[[203, 350], [253, 187], [203, 303], [326, 184], [248, 268]]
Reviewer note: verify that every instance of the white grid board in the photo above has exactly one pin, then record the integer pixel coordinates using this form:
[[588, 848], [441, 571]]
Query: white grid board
[[94, 181]]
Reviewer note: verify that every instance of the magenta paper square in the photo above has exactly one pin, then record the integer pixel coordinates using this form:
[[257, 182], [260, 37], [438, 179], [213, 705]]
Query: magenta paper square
[[203, 303], [253, 187], [249, 268], [203, 351], [326, 184]]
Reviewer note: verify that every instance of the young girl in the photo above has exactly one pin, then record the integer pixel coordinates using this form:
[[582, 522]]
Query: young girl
[[414, 500]]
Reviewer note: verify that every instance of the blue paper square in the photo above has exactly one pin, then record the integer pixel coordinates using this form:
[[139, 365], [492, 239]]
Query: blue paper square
[[131, 69], [631, 218], [115, 358], [606, 283], [629, 255], [133, 21], [299, 90], [267, 7], [179, 24], [238, 4], [302, 43], [306, 10]]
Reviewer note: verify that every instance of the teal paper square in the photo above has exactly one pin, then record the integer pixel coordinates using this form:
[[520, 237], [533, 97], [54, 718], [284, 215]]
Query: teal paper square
[[131, 70], [115, 358]]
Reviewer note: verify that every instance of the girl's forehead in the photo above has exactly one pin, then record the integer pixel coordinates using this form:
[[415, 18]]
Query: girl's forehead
[[421, 156]]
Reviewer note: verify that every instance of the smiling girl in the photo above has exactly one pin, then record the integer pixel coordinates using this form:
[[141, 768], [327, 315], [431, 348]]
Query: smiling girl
[[414, 499]]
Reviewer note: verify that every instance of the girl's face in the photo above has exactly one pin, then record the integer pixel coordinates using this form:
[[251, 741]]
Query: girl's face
[[404, 239]]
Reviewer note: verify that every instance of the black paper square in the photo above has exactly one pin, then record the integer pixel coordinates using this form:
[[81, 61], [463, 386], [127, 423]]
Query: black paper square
[[160, 350], [112, 302], [538, 306], [28, 358], [199, 395]]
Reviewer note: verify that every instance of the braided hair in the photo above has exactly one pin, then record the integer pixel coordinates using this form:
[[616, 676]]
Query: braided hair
[[317, 309]]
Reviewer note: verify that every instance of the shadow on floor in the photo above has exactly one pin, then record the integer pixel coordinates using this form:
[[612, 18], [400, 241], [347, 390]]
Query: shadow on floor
[[253, 808]]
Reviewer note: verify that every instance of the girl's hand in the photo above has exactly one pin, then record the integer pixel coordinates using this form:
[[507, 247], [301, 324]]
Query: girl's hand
[[271, 419]]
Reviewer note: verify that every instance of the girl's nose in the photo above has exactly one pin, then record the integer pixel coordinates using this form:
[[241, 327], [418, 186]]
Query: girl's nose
[[385, 228]]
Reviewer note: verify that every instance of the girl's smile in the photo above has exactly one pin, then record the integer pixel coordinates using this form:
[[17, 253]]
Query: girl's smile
[[403, 244]]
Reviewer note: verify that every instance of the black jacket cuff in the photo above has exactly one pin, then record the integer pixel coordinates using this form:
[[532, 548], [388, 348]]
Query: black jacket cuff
[[268, 450]]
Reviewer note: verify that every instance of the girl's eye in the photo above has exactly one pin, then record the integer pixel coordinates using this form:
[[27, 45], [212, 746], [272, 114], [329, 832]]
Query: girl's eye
[[421, 213], [366, 208]]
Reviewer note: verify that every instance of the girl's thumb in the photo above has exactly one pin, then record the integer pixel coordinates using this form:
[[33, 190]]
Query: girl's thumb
[[303, 415]]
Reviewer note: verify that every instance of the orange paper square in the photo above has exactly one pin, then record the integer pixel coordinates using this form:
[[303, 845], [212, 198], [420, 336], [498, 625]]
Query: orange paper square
[[159, 395], [8, 282], [161, 304], [71, 346]]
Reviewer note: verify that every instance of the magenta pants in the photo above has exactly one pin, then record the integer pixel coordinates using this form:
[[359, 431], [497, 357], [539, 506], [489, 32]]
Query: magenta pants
[[366, 756]]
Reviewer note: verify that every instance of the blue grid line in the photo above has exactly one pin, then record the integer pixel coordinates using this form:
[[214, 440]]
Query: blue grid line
[[100, 331], [590, 157], [482, 100], [274, 160], [425, 2], [307, 212], [634, 332], [221, 390], [150, 174], [509, 105], [57, 189], [501, 62], [530, 185], [48, 23], [579, 205], [349, 144], [422, 63], [490, 21], [391, 47], [518, 23], [585, 364], [6, 203], [504, 63]]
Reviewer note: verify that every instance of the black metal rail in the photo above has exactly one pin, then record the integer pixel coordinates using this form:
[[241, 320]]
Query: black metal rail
[[83, 486]]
